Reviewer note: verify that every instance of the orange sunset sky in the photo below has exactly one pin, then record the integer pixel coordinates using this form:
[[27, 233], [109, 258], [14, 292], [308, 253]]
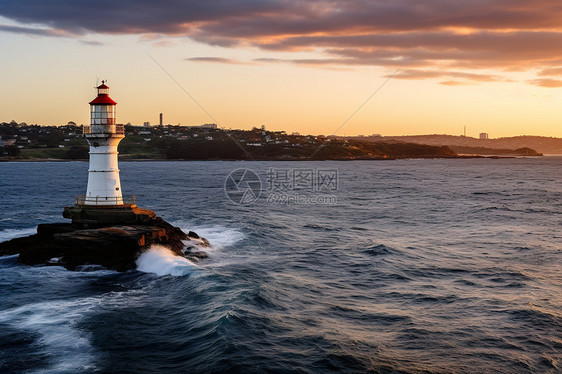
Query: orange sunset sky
[[494, 66]]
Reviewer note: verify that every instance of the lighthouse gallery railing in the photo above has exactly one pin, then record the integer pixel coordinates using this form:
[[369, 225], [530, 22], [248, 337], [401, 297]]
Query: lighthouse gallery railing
[[82, 200], [118, 129]]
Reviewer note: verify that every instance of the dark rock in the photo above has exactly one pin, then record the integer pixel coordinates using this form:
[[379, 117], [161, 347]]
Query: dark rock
[[525, 151], [14, 246], [50, 229], [193, 235], [88, 242], [200, 242], [196, 256]]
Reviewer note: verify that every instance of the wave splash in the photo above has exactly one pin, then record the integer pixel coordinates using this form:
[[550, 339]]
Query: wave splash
[[218, 236], [68, 349], [9, 234], [160, 260]]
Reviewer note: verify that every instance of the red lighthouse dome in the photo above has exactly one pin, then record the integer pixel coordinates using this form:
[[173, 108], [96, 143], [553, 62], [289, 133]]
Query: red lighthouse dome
[[103, 96], [102, 110]]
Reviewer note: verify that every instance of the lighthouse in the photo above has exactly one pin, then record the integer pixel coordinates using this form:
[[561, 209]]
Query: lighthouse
[[105, 230], [103, 136], [103, 203]]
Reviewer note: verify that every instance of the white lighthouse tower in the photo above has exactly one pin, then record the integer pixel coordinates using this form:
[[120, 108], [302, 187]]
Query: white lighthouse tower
[[103, 136]]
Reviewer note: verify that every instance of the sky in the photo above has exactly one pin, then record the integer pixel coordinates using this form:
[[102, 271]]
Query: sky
[[343, 67]]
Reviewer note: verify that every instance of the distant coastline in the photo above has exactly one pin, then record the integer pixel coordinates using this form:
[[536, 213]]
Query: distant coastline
[[33, 143], [125, 159]]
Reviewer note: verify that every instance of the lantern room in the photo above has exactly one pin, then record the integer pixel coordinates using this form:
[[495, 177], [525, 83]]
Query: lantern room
[[102, 112]]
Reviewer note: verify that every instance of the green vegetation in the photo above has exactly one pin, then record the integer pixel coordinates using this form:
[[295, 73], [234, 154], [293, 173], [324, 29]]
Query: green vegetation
[[44, 153], [20, 141]]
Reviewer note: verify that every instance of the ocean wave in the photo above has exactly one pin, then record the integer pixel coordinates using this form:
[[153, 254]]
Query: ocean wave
[[378, 250], [320, 227], [452, 289], [218, 236], [9, 234], [537, 317], [160, 260], [62, 346]]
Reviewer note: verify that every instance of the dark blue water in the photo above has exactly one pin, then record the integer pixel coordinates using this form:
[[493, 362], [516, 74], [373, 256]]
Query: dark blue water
[[421, 266]]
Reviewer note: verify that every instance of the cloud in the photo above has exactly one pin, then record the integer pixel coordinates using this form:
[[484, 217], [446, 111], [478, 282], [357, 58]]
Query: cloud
[[91, 42], [437, 35], [304, 61], [551, 71], [547, 82], [453, 83], [30, 31], [417, 74], [219, 60], [131, 16]]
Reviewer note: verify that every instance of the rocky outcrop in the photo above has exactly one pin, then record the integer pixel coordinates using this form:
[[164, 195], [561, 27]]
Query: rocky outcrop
[[112, 246], [495, 152]]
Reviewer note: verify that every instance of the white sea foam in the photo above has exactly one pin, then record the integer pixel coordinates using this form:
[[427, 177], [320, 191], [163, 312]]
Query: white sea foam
[[218, 236], [161, 261], [67, 348], [16, 233]]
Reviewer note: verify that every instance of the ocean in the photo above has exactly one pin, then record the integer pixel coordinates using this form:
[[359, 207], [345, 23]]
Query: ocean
[[405, 266]]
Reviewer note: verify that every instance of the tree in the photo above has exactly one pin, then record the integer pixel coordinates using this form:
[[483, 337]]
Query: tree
[[12, 150], [77, 152]]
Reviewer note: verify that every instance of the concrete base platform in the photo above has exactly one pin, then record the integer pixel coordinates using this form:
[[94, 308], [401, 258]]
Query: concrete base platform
[[94, 216]]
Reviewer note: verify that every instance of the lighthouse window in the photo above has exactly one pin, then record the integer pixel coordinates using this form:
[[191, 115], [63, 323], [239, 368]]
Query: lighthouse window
[[102, 113]]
